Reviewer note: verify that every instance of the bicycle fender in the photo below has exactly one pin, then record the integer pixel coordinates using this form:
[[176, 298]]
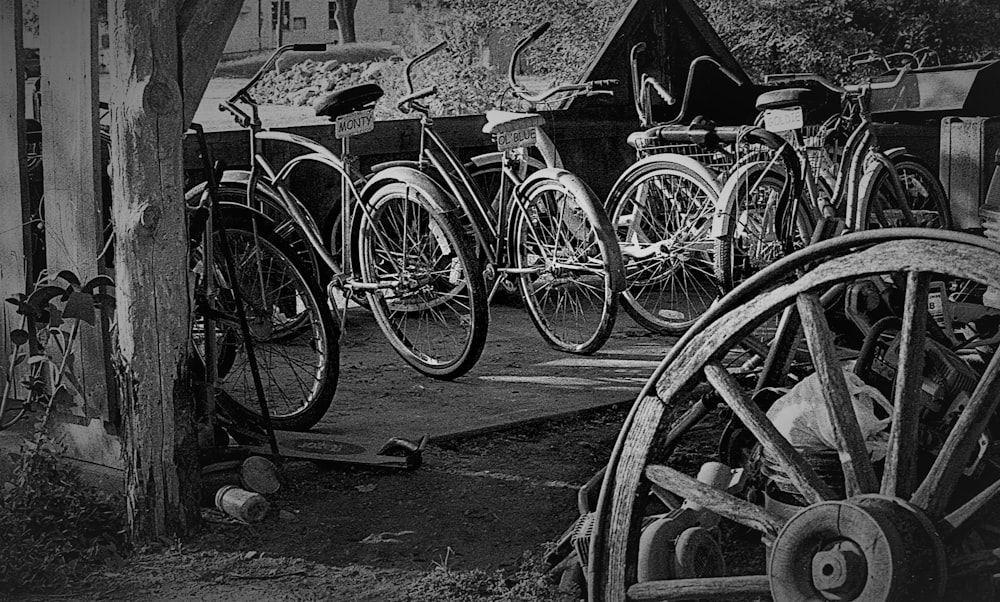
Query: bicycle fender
[[413, 176], [237, 178], [899, 152], [232, 176], [727, 198], [378, 167], [591, 206], [694, 165]]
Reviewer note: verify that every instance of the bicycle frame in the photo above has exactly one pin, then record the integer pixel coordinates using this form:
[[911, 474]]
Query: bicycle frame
[[264, 175], [490, 227]]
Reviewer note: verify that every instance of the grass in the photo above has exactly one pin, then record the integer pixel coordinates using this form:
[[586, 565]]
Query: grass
[[246, 66]]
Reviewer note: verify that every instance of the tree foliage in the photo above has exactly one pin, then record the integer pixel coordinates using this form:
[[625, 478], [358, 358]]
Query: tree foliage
[[773, 36]]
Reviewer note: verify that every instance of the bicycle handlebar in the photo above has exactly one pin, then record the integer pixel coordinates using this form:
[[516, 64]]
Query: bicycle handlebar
[[417, 59], [847, 89], [242, 93], [660, 90], [242, 119], [633, 61], [519, 48], [601, 86], [409, 101], [539, 32]]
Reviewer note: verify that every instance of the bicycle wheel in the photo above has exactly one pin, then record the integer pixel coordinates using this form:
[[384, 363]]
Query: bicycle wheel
[[489, 177], [662, 214], [295, 337], [921, 517], [748, 241], [431, 300], [566, 265], [925, 196]]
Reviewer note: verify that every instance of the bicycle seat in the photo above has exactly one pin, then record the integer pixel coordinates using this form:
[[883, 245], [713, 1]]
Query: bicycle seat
[[507, 121], [345, 100], [790, 97]]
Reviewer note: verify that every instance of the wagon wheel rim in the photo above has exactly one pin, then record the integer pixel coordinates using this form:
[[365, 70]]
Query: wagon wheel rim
[[922, 502]]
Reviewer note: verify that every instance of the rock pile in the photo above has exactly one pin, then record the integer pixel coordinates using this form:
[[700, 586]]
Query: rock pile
[[301, 83]]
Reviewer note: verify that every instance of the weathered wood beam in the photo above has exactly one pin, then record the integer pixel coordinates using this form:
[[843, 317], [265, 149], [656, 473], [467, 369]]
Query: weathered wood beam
[[203, 27], [71, 158], [154, 312], [14, 210]]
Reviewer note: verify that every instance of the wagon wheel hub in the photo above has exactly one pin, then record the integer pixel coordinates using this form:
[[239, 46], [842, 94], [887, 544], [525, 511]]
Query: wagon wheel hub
[[867, 549], [839, 570]]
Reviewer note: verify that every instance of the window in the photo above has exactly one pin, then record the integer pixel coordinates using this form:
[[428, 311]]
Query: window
[[284, 16], [396, 6], [299, 23], [332, 16]]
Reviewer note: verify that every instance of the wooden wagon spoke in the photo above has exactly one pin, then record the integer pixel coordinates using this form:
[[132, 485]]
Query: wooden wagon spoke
[[900, 475], [859, 475], [983, 562], [936, 489], [709, 588], [780, 355], [970, 511], [719, 502], [799, 471]]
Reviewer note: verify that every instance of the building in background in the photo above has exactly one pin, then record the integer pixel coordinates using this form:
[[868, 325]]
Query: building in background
[[312, 21]]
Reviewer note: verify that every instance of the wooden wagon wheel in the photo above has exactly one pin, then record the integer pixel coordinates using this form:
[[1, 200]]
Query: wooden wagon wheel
[[910, 529]]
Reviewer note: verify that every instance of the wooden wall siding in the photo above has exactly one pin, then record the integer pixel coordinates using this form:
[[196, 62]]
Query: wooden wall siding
[[71, 156], [675, 32], [14, 236]]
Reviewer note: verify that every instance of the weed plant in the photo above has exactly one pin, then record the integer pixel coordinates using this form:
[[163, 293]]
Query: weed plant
[[51, 524]]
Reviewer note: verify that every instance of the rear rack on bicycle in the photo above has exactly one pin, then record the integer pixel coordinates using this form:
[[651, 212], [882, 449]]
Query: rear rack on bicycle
[[718, 148]]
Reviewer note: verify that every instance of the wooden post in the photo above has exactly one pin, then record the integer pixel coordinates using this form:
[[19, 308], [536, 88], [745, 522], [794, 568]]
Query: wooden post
[[71, 158], [154, 311], [14, 213]]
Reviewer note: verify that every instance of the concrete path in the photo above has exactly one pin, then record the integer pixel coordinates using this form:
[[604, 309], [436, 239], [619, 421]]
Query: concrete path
[[519, 378]]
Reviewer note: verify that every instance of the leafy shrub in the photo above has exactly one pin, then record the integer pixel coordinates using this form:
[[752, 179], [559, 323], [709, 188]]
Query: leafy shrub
[[50, 524], [782, 36]]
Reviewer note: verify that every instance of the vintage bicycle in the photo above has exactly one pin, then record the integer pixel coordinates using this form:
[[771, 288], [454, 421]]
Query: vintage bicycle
[[398, 241], [538, 226], [837, 171]]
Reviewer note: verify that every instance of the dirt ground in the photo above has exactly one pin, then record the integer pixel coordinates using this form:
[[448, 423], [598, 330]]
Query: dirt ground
[[490, 502]]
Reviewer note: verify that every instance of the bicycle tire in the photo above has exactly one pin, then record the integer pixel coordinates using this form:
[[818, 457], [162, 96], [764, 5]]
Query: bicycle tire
[[438, 320], [233, 192], [295, 336], [576, 253], [656, 203], [748, 241], [925, 195], [489, 176]]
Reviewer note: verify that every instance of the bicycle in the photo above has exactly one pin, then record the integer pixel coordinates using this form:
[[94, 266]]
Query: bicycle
[[663, 205], [299, 367], [400, 242], [539, 225], [839, 178]]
